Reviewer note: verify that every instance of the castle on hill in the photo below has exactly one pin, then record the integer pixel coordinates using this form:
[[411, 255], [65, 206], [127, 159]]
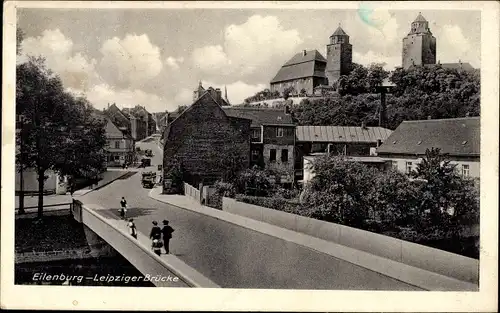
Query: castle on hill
[[310, 71]]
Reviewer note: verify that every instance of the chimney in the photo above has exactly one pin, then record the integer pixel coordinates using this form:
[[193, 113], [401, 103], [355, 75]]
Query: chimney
[[219, 95], [304, 52], [287, 109], [363, 125], [429, 117]]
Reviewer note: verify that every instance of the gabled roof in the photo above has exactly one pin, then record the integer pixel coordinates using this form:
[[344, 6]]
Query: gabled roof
[[339, 32], [455, 136], [341, 134], [260, 116], [300, 66], [419, 18]]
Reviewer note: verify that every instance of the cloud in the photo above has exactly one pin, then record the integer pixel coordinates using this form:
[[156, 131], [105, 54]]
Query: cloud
[[184, 97], [452, 45], [102, 94], [132, 60], [174, 62], [75, 69], [248, 47], [211, 59], [372, 57], [237, 91]]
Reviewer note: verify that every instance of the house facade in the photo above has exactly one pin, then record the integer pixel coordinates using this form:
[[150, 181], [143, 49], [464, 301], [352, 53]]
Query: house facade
[[119, 146], [197, 141], [356, 143], [459, 138], [272, 138]]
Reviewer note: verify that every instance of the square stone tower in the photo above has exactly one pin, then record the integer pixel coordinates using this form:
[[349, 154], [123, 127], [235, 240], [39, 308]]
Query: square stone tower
[[338, 56], [419, 46]]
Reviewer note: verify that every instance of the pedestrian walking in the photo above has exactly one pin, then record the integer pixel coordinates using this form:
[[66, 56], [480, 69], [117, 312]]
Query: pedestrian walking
[[155, 231], [123, 208], [167, 235], [132, 228], [156, 246]]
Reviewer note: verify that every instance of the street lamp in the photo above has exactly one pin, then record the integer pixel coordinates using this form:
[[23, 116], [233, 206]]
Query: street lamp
[[386, 87]]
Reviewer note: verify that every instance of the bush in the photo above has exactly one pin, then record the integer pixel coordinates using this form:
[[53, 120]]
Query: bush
[[254, 182], [279, 204], [222, 189]]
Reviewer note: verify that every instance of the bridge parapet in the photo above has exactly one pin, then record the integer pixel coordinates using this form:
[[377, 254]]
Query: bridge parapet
[[164, 271]]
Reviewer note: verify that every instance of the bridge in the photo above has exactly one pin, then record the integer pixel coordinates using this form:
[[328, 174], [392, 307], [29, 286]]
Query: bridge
[[212, 250]]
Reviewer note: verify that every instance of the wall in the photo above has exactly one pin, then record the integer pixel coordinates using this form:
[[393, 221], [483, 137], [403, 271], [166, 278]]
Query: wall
[[419, 48], [438, 261], [270, 137], [400, 164], [200, 139], [339, 60], [278, 163], [298, 84]]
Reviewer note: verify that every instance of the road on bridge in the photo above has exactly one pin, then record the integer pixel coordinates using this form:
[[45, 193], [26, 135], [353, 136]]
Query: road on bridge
[[233, 256]]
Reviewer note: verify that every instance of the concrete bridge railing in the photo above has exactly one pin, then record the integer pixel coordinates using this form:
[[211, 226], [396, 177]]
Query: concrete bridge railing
[[434, 260], [138, 251]]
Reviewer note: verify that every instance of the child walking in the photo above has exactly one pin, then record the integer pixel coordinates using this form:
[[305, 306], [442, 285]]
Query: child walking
[[156, 246], [132, 228]]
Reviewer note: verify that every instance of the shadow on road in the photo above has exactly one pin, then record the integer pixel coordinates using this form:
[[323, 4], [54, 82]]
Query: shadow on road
[[131, 212]]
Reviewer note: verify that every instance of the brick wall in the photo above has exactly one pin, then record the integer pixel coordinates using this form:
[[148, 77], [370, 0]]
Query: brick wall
[[289, 165], [270, 135], [200, 139]]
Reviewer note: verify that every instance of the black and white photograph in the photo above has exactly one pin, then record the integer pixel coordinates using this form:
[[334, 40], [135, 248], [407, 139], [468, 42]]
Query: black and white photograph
[[250, 155]]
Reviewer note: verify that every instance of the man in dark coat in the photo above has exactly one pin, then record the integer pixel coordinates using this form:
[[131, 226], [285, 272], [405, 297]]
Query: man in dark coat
[[167, 235], [155, 231]]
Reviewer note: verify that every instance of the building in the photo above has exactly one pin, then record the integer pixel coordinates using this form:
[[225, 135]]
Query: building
[[457, 137], [215, 93], [356, 143], [305, 70], [120, 146], [272, 138], [419, 48], [144, 121], [197, 142], [339, 56]]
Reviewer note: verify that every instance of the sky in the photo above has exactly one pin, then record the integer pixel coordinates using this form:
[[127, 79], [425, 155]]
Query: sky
[[157, 57]]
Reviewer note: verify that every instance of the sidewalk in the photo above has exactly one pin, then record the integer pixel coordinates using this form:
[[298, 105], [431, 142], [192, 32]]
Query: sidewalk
[[408, 274], [31, 202]]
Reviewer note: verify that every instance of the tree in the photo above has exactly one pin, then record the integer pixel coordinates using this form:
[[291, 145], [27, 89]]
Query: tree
[[181, 108], [254, 182], [440, 180], [339, 191], [303, 92], [51, 123]]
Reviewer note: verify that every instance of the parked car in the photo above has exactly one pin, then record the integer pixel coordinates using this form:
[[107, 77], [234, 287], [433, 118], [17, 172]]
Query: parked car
[[148, 179]]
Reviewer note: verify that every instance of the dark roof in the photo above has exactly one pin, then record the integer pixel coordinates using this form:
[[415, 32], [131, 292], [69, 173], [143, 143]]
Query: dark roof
[[458, 66], [341, 134], [260, 116], [420, 18], [300, 66], [339, 32], [456, 136]]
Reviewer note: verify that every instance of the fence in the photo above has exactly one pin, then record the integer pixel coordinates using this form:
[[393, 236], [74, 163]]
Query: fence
[[191, 192], [434, 260]]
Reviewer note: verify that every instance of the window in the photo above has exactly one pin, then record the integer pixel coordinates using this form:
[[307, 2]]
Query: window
[[255, 133], [284, 155], [394, 165], [117, 145], [279, 132], [255, 155], [465, 170], [272, 155], [408, 167]]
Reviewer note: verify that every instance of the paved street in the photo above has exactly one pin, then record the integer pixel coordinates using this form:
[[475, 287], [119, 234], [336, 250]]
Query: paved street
[[233, 256]]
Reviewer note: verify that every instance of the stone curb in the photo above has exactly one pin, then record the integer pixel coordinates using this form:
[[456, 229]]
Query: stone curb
[[411, 275]]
